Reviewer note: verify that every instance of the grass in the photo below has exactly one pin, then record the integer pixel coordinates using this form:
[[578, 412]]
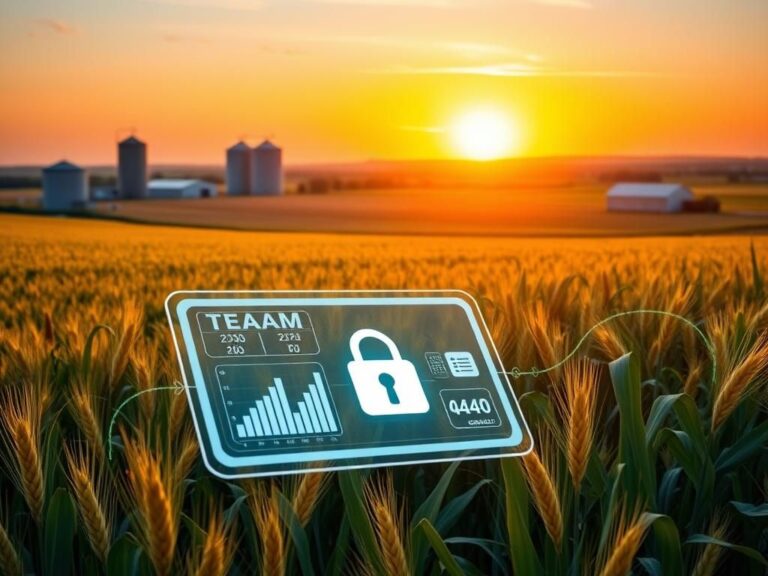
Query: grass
[[643, 462]]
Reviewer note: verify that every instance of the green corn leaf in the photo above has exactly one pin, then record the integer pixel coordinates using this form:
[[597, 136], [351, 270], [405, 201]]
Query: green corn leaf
[[747, 445], [351, 485], [297, 532], [338, 558], [453, 510], [60, 526], [490, 547], [441, 550], [429, 510], [640, 476], [525, 560], [125, 558], [745, 550], [760, 511], [667, 544]]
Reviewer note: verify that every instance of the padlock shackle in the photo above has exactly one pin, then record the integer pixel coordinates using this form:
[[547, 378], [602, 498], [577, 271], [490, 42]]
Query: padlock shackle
[[357, 337]]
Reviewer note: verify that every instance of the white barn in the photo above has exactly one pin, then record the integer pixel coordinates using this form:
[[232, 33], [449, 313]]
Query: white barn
[[173, 188], [647, 197]]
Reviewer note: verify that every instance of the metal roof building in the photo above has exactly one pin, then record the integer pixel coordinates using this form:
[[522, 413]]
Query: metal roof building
[[267, 170], [65, 187], [647, 197], [172, 188], [132, 168], [239, 169]]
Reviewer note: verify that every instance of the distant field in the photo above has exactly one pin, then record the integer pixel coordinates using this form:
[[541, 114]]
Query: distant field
[[561, 211]]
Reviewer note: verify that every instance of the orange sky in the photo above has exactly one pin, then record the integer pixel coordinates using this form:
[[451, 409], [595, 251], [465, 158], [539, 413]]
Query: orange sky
[[338, 80]]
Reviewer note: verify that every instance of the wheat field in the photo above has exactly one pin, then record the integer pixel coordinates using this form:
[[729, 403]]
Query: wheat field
[[650, 442]]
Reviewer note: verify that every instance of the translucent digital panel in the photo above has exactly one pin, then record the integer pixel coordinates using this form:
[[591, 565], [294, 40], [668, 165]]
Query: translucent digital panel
[[286, 382]]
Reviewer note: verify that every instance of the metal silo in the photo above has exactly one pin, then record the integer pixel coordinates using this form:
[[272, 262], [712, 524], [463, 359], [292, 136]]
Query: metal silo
[[65, 187], [132, 168], [266, 170], [239, 169]]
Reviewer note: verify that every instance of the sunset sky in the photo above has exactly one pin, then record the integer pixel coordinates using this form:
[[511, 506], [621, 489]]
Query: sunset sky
[[345, 80]]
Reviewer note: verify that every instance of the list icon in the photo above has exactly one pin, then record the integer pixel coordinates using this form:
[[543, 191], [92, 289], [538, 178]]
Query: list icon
[[462, 364]]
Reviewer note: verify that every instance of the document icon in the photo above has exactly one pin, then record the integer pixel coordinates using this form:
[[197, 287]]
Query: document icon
[[462, 364]]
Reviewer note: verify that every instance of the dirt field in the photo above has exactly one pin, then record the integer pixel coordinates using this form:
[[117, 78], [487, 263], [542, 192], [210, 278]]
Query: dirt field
[[567, 211]]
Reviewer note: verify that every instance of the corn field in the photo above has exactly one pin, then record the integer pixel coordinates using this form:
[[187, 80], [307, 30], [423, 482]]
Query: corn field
[[650, 442]]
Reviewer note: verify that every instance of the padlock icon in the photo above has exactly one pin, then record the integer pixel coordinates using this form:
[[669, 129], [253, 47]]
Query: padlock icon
[[385, 387]]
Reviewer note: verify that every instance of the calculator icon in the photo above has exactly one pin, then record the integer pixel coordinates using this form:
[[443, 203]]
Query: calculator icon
[[436, 364]]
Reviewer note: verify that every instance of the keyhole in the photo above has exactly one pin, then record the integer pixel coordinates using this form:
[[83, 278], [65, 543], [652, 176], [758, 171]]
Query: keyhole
[[388, 382]]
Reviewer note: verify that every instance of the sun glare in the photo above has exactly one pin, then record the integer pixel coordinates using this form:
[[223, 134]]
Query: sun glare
[[484, 134]]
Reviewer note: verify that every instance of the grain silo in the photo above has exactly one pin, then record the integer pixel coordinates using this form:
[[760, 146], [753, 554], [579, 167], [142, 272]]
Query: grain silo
[[239, 169], [65, 187], [132, 168], [266, 170]]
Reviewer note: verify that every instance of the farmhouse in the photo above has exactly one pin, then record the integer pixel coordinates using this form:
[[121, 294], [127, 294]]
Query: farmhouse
[[647, 197], [171, 188]]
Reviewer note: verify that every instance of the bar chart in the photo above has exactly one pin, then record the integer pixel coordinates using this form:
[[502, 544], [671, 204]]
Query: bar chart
[[265, 402]]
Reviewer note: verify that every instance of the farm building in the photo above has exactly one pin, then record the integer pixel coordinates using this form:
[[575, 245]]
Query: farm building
[[647, 197], [171, 188], [65, 187]]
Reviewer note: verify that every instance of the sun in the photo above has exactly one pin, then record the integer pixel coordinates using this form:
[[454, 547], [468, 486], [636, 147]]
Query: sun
[[484, 134]]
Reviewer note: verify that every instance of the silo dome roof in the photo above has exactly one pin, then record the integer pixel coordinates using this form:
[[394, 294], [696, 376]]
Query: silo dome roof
[[240, 146], [266, 145], [63, 166], [131, 140]]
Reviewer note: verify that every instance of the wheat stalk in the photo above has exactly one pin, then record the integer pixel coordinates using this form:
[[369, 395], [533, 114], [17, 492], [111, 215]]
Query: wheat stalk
[[380, 497], [95, 519], [741, 381], [216, 556], [21, 414], [545, 497], [629, 536], [307, 494], [710, 557], [577, 401], [158, 520], [9, 559], [691, 384], [264, 509], [82, 410], [160, 523]]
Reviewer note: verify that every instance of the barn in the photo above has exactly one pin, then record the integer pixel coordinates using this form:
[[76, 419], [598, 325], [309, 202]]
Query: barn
[[647, 197], [172, 188]]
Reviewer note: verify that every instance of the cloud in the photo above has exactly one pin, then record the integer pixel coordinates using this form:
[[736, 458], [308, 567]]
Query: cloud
[[56, 26], [424, 129], [174, 38], [412, 3], [515, 69], [577, 4], [222, 4]]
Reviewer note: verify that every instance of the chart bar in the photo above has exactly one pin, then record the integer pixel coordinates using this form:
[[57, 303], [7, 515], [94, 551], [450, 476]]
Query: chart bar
[[318, 408], [240, 431], [271, 413], [284, 405], [324, 401], [305, 417], [248, 427], [312, 412], [278, 410], [299, 423], [263, 416], [256, 424]]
